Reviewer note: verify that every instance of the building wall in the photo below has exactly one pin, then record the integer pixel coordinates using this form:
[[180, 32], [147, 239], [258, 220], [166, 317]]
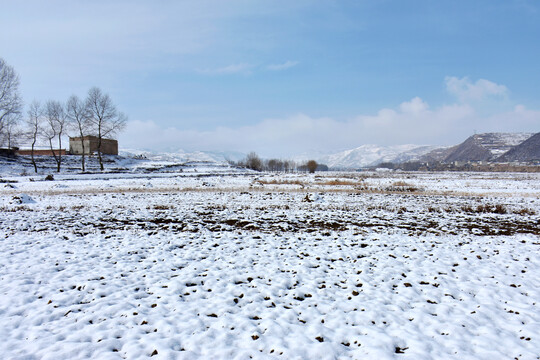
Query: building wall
[[75, 146], [108, 146], [42, 152]]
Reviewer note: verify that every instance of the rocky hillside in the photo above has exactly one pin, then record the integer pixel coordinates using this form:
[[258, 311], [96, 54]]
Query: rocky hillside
[[529, 150], [479, 147]]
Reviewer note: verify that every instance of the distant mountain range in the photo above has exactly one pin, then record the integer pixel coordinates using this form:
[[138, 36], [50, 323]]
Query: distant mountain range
[[490, 147], [487, 147], [369, 155]]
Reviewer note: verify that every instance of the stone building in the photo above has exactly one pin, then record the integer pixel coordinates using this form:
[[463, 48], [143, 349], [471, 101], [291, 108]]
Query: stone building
[[108, 146]]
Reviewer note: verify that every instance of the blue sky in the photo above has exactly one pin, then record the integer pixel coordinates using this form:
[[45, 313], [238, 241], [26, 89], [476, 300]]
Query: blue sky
[[286, 77]]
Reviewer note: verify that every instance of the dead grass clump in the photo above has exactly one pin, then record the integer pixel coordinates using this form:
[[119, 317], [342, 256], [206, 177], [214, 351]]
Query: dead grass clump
[[400, 183], [467, 209], [525, 212], [282, 182], [500, 209], [402, 210], [15, 208], [161, 207], [402, 186], [340, 182], [485, 209], [363, 188], [216, 207]]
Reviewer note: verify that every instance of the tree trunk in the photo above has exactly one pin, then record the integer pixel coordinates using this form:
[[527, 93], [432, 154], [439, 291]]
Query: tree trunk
[[82, 144], [99, 153], [32, 154], [59, 153], [54, 154]]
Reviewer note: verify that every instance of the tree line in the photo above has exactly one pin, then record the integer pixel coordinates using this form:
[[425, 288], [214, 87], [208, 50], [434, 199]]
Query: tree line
[[254, 162], [49, 122]]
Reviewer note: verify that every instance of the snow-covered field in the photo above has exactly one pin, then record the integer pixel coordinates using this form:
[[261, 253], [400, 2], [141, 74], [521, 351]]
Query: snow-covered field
[[215, 263]]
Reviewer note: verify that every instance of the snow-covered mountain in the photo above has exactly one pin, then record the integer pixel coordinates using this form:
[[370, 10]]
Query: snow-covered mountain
[[529, 150], [181, 156], [368, 155], [479, 147]]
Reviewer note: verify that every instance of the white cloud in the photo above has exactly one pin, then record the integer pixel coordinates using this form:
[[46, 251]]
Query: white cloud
[[415, 106], [284, 66], [519, 119], [412, 122], [242, 68], [246, 68], [465, 90]]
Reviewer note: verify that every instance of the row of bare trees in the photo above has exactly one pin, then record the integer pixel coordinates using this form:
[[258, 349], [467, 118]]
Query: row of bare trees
[[50, 122], [254, 162], [96, 115]]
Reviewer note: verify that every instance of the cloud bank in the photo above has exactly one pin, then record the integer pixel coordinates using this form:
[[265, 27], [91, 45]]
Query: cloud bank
[[465, 90], [412, 121]]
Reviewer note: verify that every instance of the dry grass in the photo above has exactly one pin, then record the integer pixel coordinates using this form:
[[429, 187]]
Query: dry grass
[[340, 182], [525, 212], [15, 208], [485, 209], [403, 187], [282, 182], [398, 187], [161, 207]]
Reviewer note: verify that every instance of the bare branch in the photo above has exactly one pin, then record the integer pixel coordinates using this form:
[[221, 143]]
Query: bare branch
[[105, 120], [10, 100]]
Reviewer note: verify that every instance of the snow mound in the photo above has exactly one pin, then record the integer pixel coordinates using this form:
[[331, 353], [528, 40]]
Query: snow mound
[[22, 199]]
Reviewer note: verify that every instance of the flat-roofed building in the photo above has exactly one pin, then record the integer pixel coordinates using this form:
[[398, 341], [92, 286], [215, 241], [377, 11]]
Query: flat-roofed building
[[108, 146]]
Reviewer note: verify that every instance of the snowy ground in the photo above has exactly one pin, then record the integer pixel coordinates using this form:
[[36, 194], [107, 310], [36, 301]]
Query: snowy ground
[[214, 263]]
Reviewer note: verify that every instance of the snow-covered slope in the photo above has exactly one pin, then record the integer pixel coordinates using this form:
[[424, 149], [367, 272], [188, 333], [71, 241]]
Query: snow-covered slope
[[479, 147], [529, 150], [184, 156], [129, 161], [367, 155]]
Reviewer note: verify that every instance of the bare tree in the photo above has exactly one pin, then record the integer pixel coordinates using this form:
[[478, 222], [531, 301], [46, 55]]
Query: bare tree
[[10, 101], [78, 116], [104, 118], [271, 165], [33, 125], [56, 124], [312, 166], [254, 162], [288, 165], [11, 130]]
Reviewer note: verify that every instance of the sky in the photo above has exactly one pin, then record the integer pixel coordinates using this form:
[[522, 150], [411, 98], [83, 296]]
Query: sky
[[285, 77]]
